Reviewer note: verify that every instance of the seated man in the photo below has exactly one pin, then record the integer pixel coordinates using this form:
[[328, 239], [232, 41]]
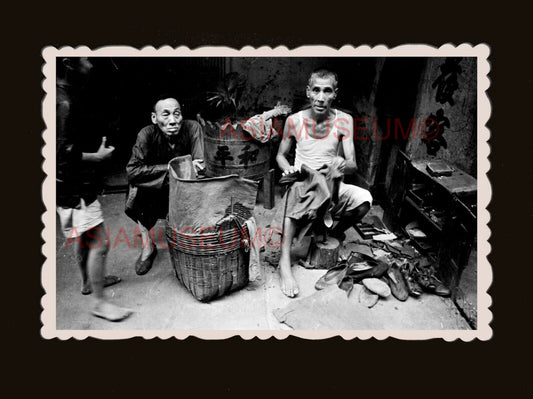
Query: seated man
[[169, 136], [318, 131]]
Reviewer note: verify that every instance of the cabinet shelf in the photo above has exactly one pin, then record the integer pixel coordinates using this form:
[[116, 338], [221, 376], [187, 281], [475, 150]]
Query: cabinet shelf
[[425, 216]]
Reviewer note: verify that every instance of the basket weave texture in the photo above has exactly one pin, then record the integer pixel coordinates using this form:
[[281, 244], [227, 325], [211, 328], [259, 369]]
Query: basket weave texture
[[208, 274]]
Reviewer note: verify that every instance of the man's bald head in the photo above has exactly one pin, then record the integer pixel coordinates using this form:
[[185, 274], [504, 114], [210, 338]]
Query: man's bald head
[[167, 116], [323, 73]]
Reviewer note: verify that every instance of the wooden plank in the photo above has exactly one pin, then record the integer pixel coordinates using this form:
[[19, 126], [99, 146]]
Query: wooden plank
[[458, 183], [269, 198]]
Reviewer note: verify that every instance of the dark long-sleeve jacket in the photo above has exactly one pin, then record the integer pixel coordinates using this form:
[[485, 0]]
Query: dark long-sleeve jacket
[[75, 179], [147, 169]]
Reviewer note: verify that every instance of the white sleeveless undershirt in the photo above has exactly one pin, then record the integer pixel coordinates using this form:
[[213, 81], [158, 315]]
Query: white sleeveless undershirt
[[315, 152]]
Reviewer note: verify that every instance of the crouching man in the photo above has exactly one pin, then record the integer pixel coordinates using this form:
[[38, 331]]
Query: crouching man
[[319, 192], [168, 136]]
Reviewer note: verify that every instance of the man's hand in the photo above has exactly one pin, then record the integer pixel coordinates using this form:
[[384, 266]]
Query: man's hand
[[200, 120], [102, 154], [289, 170], [340, 163], [198, 165]]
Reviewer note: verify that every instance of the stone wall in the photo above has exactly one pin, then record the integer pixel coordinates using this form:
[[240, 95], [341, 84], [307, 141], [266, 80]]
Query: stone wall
[[273, 79], [448, 94]]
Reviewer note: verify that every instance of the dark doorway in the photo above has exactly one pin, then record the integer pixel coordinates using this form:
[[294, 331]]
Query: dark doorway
[[395, 105], [122, 91]]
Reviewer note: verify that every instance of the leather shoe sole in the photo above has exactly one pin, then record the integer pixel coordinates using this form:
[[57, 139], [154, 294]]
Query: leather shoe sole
[[397, 283]]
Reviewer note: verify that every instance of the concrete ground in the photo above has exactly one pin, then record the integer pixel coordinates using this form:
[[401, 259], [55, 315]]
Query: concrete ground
[[466, 292], [159, 301]]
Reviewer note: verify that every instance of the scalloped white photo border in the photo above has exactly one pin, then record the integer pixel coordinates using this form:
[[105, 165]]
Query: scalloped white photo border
[[484, 275]]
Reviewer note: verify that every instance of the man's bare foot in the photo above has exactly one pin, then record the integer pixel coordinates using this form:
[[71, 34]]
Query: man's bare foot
[[86, 288], [287, 282], [110, 312]]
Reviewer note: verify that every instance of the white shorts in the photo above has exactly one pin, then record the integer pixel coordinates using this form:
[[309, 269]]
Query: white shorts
[[75, 222], [350, 197]]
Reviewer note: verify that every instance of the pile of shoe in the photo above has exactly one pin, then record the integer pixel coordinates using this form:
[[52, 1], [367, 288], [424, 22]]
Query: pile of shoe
[[379, 279], [352, 270], [372, 290], [423, 278]]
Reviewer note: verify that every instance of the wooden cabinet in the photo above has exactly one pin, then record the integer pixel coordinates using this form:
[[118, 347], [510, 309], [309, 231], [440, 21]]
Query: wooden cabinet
[[445, 209]]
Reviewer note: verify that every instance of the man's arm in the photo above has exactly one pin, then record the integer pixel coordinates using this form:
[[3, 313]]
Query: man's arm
[[68, 152], [197, 146], [285, 147], [345, 129], [140, 173]]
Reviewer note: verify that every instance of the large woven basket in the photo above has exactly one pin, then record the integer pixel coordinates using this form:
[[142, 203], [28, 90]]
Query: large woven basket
[[209, 272], [206, 232]]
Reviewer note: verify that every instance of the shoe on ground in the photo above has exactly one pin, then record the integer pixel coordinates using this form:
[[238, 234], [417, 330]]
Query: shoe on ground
[[429, 282], [410, 278], [143, 266], [397, 283]]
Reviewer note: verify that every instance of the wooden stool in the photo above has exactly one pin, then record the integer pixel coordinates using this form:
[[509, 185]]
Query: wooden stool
[[322, 254], [269, 189]]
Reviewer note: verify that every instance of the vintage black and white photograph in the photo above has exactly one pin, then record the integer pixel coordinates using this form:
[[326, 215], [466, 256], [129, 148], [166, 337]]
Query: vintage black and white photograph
[[266, 192]]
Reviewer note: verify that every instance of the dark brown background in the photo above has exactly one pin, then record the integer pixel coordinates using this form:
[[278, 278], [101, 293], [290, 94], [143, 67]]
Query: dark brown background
[[291, 367]]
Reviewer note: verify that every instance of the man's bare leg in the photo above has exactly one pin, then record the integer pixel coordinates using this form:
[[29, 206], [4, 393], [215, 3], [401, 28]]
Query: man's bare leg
[[349, 219], [287, 281], [97, 244], [147, 243], [81, 253]]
